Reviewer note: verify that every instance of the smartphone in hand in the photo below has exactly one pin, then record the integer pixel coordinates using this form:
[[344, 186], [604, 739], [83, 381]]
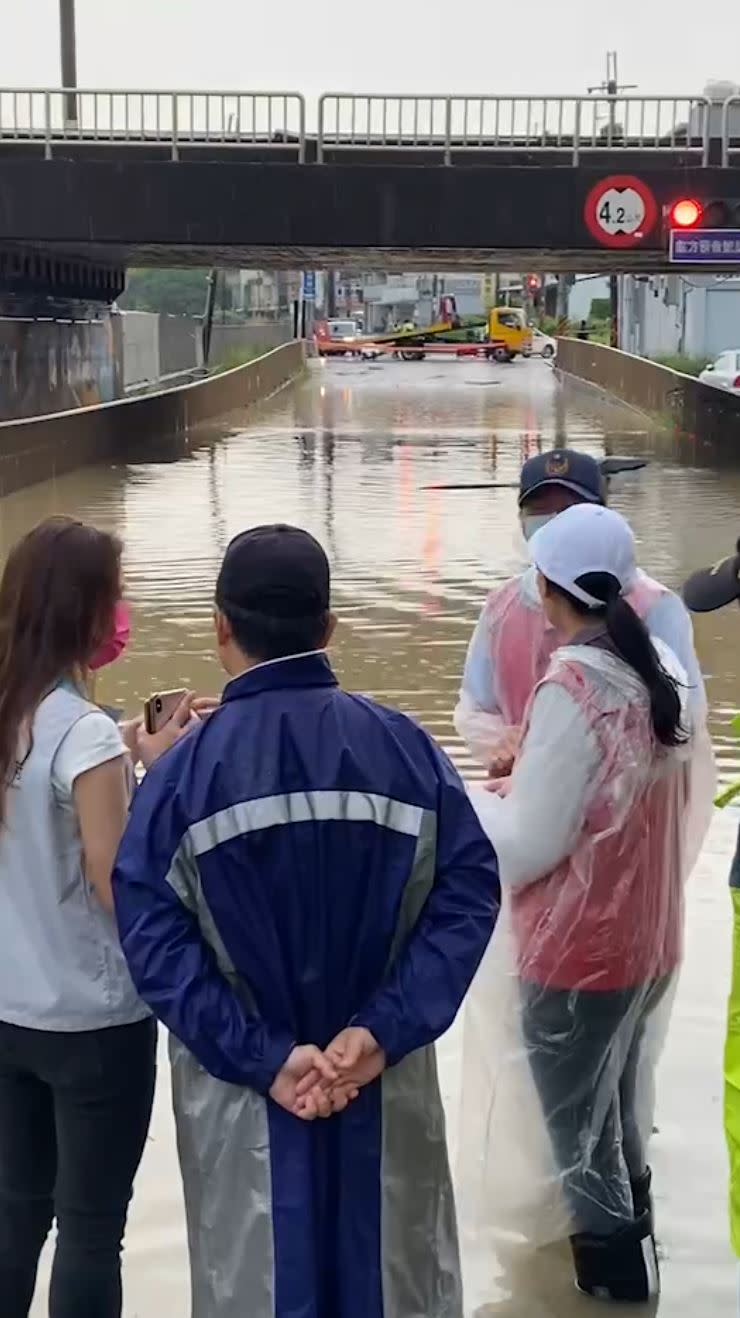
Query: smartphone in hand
[[159, 709]]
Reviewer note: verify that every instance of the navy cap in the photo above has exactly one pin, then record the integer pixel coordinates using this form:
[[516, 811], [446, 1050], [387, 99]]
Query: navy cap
[[563, 466], [714, 587], [279, 571]]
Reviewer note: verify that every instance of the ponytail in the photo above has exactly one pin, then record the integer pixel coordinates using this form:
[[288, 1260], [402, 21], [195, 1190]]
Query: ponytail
[[631, 639]]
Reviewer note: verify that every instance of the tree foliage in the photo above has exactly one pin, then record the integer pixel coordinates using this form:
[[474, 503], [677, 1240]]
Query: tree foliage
[[174, 292], [601, 308]]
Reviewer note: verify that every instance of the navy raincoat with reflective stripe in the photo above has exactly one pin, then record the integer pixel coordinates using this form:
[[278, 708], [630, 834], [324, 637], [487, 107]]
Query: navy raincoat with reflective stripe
[[304, 859]]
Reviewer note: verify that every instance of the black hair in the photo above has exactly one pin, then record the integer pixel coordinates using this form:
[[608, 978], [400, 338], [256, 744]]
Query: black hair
[[631, 640], [263, 636]]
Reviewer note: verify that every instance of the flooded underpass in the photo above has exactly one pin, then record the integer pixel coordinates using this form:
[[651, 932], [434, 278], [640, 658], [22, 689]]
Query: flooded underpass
[[351, 453]]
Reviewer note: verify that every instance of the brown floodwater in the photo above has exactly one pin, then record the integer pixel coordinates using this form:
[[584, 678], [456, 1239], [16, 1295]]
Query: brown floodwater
[[350, 453]]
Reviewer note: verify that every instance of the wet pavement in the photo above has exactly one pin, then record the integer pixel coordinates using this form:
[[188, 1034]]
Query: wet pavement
[[350, 453]]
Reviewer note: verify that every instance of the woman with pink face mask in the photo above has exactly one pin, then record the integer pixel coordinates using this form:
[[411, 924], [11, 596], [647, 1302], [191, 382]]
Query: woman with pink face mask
[[77, 1045]]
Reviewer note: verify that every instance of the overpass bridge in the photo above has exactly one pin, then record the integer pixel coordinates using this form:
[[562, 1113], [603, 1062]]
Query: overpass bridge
[[94, 181]]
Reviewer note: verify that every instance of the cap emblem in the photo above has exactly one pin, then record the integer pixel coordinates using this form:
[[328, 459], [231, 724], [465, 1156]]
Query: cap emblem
[[557, 464]]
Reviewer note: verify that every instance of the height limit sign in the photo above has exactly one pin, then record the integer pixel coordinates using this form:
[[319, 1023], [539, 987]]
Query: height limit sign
[[620, 211]]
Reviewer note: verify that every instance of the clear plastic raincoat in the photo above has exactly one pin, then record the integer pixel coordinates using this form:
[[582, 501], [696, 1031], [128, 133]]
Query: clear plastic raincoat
[[567, 1012], [512, 645]]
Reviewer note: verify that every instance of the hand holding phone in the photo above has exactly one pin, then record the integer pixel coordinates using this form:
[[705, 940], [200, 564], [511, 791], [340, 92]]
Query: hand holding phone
[[150, 745], [159, 709]]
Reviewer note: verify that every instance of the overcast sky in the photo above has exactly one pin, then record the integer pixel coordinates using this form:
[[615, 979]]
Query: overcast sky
[[377, 45]]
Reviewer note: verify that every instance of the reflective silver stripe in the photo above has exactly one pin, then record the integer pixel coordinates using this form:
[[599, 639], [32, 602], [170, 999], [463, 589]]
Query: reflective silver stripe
[[223, 1144], [420, 1256], [303, 807]]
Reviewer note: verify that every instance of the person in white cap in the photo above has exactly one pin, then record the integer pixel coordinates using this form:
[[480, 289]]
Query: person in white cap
[[513, 639], [591, 836]]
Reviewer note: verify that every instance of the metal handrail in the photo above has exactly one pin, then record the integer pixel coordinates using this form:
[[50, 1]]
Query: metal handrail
[[431, 123], [535, 123], [732, 102], [152, 117]]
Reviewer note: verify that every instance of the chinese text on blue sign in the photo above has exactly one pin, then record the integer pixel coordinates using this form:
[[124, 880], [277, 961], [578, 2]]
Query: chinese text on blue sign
[[309, 285], [720, 246]]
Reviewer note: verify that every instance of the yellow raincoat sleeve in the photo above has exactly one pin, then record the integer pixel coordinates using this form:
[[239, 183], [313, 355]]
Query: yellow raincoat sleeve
[[732, 1063]]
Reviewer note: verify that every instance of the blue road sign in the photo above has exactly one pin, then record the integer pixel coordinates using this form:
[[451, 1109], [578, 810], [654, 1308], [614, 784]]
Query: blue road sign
[[309, 285], [705, 247]]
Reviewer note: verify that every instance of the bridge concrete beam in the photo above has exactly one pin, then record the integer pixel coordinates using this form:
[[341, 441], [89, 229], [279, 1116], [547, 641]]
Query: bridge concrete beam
[[145, 212]]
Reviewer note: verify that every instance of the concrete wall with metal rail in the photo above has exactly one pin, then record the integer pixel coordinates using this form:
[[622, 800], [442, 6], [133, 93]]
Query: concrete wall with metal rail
[[158, 345], [48, 365], [37, 448], [696, 409]]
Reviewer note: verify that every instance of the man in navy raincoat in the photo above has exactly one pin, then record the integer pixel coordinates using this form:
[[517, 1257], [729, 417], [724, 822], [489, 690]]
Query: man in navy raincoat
[[304, 861]]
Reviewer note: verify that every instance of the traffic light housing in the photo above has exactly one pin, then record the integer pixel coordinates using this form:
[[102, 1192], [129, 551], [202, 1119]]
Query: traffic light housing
[[688, 214]]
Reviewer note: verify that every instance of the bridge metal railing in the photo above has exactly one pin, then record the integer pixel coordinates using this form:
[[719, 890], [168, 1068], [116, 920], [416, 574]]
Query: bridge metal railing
[[730, 130], [447, 127], [272, 121], [569, 124]]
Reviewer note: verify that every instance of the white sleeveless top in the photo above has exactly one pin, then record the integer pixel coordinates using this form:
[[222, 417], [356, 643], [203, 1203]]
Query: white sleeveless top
[[61, 965]]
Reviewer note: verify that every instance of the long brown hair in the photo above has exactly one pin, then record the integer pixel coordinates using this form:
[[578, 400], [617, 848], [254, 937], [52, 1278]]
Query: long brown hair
[[58, 595]]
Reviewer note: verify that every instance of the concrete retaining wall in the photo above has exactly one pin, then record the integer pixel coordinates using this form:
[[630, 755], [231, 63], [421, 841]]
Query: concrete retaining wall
[[50, 365], [156, 345], [697, 409], [140, 336], [37, 448], [180, 346], [228, 339]]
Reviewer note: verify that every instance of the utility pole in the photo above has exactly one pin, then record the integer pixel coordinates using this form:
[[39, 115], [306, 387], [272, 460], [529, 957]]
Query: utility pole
[[68, 48], [561, 307], [331, 294], [614, 310], [211, 291], [612, 87]]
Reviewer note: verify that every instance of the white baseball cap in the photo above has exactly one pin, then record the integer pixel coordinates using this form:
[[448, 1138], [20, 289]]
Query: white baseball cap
[[585, 538]]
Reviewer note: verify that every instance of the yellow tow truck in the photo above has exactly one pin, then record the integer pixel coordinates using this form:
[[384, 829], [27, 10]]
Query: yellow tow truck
[[500, 336]]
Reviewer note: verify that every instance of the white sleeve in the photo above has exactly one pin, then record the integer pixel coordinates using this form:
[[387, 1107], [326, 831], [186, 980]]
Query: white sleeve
[[477, 718], [92, 740], [537, 824], [669, 619]]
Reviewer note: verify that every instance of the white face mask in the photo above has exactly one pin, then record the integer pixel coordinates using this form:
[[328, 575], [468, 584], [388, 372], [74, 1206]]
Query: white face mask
[[530, 524]]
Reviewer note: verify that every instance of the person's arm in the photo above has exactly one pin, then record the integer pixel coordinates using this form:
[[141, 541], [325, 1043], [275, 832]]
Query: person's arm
[[670, 621], [477, 718], [89, 775], [537, 824], [155, 885], [101, 799], [433, 972]]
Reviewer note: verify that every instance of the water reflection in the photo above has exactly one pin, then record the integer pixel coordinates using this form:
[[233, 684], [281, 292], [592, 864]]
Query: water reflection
[[350, 454]]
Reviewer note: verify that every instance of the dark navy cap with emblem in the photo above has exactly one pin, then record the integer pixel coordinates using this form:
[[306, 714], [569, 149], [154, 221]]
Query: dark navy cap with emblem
[[714, 587], [575, 471], [280, 571]]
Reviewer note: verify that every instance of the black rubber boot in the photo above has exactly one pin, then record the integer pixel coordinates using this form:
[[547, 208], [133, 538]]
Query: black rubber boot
[[621, 1267], [642, 1198]]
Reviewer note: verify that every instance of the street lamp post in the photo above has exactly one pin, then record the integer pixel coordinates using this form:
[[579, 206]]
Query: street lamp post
[[68, 47]]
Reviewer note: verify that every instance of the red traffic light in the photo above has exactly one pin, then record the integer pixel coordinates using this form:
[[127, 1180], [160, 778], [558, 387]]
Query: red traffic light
[[686, 214]]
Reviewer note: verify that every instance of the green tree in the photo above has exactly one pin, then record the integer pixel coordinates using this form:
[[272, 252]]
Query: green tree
[[601, 308], [175, 292]]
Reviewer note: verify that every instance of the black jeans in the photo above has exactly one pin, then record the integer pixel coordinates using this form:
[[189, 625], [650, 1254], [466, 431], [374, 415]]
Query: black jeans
[[74, 1116], [585, 1052]]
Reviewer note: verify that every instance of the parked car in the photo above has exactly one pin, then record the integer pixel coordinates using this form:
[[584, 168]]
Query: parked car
[[542, 345], [724, 373], [342, 338]]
